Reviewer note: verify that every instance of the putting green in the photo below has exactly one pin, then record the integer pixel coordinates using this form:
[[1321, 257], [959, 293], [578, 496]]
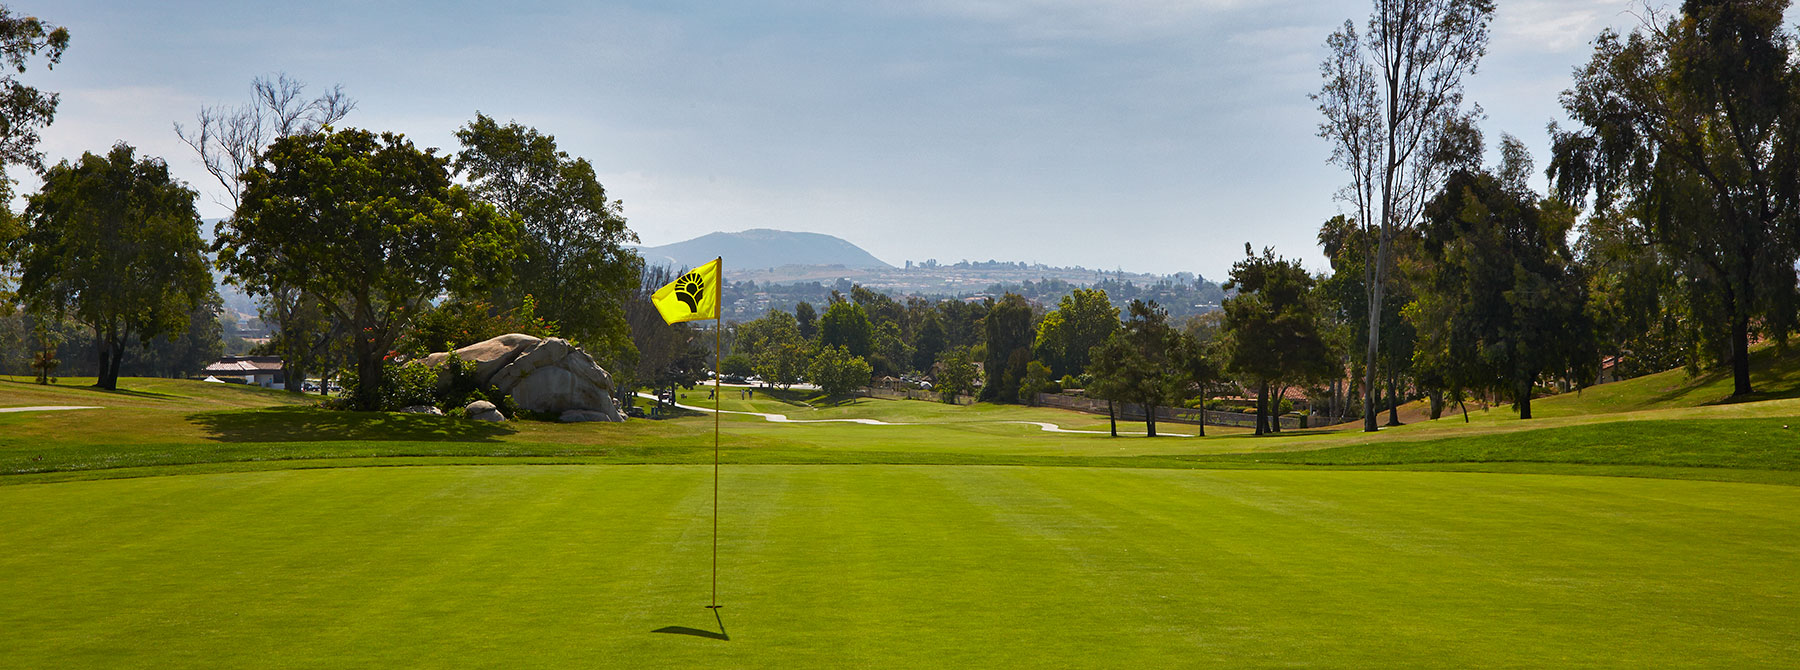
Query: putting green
[[950, 566]]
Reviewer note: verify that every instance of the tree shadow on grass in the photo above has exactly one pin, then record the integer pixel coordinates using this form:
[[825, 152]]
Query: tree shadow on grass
[[696, 632], [309, 424], [90, 388]]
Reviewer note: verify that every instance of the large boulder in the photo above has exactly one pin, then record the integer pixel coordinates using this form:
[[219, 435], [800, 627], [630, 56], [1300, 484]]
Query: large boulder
[[490, 356], [542, 375]]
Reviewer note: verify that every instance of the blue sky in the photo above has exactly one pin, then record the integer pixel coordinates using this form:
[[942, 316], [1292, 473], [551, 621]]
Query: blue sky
[[1151, 135]]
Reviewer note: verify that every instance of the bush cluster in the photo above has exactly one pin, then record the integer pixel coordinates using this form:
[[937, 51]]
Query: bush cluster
[[408, 384]]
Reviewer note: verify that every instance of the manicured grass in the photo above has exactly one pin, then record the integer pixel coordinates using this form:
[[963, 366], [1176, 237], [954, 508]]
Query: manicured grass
[[958, 541], [164, 426], [1755, 444], [141, 392], [832, 566]]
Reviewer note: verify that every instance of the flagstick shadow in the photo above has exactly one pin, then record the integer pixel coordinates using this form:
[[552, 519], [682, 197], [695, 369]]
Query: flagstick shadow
[[684, 630]]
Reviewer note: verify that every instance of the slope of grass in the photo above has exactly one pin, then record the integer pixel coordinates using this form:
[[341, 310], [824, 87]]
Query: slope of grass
[[142, 393], [1774, 375], [164, 426], [829, 566], [1753, 444]]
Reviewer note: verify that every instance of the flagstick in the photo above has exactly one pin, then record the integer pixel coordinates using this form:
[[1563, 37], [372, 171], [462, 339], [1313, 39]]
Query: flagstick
[[718, 394]]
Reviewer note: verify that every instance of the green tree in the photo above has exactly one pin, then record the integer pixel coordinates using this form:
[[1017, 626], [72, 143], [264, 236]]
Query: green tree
[[1344, 301], [806, 320], [230, 141], [574, 261], [955, 373], [837, 371], [1635, 296], [783, 362], [369, 227], [775, 328], [1507, 305], [1689, 124], [1141, 363], [737, 364], [1392, 100], [932, 341], [1273, 326], [24, 110], [892, 355], [845, 324], [114, 241], [1082, 320], [1200, 372], [963, 321], [1009, 335], [880, 308]]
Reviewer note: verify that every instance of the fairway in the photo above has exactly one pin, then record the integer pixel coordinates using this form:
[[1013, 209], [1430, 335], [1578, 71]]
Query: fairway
[[897, 566]]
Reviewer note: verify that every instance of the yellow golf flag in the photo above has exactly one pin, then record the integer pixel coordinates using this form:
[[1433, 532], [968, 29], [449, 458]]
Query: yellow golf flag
[[693, 296]]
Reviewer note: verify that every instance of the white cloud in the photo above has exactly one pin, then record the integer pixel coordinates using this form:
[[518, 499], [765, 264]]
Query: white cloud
[[1560, 25]]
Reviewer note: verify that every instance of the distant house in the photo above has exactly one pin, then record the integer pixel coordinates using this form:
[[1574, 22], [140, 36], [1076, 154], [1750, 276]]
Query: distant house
[[264, 371]]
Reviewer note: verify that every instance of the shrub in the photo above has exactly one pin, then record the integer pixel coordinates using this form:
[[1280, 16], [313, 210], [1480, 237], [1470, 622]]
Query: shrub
[[401, 386], [1037, 380], [406, 384]]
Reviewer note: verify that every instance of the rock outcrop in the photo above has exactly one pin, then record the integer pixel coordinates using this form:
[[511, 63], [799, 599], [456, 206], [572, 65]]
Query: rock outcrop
[[542, 375]]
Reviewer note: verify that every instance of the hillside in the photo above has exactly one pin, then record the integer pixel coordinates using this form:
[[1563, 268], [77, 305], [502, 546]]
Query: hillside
[[763, 248], [1774, 375]]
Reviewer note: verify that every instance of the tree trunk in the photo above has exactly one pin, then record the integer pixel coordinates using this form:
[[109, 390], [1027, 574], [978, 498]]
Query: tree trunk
[[368, 375], [1112, 418], [111, 350], [1275, 409], [1371, 392], [1740, 354], [1202, 417], [1150, 420], [1437, 404], [294, 378], [1393, 399], [1262, 408], [1334, 409], [101, 344], [1524, 399], [118, 359]]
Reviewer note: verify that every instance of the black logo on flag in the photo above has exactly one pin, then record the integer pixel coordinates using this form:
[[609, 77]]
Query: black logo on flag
[[690, 289]]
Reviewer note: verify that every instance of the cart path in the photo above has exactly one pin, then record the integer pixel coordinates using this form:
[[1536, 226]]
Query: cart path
[[46, 408], [783, 418]]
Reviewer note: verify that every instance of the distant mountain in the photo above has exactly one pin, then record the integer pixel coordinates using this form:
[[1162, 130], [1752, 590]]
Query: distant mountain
[[762, 248]]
